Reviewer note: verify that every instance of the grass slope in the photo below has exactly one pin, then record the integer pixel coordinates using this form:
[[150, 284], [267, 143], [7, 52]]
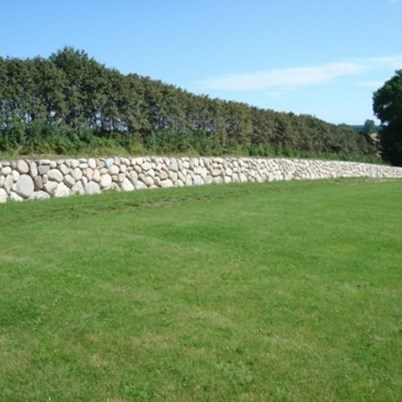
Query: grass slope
[[285, 291]]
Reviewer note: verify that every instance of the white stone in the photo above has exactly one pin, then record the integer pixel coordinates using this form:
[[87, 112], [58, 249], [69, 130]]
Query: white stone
[[163, 175], [166, 183], [6, 170], [25, 186], [3, 195], [43, 169], [33, 169], [69, 180], [198, 180], [146, 166], [50, 187], [89, 173], [61, 191], [8, 183], [15, 175], [127, 185], [15, 197], [39, 195], [64, 169], [92, 163], [173, 165], [55, 175], [78, 188], [139, 185], [92, 188], [208, 179], [133, 176], [22, 166], [149, 181], [173, 176], [105, 180], [109, 162], [77, 174], [114, 169]]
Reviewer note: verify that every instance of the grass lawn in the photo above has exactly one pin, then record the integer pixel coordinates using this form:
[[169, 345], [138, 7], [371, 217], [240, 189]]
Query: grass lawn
[[287, 291]]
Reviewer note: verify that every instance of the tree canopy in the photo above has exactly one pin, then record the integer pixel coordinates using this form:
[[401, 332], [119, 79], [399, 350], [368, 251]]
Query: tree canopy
[[387, 105], [70, 101]]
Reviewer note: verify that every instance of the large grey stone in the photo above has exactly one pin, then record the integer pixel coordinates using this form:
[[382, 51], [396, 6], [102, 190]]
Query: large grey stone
[[25, 186]]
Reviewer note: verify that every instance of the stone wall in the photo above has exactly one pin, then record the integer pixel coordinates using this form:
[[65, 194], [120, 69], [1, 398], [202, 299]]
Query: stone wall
[[28, 179]]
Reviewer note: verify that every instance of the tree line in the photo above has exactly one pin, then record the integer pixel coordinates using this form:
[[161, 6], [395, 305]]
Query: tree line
[[69, 103]]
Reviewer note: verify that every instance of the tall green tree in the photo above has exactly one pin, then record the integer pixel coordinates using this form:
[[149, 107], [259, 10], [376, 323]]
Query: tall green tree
[[387, 105], [369, 127]]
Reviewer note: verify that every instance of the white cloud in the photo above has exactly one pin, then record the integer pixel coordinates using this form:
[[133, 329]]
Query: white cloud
[[387, 61], [293, 77], [279, 80]]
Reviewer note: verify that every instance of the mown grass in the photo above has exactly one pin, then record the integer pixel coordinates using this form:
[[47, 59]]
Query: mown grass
[[284, 291]]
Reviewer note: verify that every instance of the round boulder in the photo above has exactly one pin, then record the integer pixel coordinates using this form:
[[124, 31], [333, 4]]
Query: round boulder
[[25, 186]]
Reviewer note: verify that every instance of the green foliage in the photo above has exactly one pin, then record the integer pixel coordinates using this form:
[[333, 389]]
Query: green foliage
[[84, 105], [285, 291], [387, 105], [369, 127]]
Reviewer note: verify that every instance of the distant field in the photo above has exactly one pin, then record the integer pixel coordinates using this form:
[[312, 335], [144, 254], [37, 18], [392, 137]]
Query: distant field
[[285, 291]]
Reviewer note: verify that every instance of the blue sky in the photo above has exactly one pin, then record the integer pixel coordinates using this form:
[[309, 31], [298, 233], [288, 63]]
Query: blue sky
[[318, 57]]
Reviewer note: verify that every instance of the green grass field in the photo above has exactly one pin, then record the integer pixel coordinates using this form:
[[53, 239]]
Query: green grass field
[[288, 291]]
